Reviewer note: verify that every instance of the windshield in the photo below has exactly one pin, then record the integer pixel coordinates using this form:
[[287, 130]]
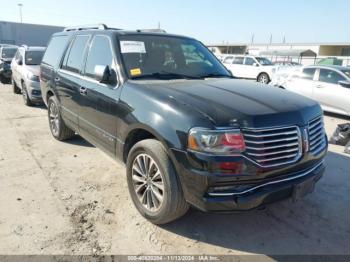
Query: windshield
[[8, 52], [165, 57], [33, 57], [264, 61], [346, 72]]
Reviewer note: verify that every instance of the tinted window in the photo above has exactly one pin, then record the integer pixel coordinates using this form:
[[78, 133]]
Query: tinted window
[[249, 61], [330, 76], [346, 72], [308, 73], [74, 59], [264, 61], [55, 50], [100, 54], [238, 60], [33, 57]]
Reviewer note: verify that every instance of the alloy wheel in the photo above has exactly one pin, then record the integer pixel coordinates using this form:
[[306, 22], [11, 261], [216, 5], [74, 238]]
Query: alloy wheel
[[54, 119], [148, 182]]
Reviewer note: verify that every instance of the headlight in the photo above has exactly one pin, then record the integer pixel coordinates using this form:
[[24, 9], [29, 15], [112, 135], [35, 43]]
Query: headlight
[[217, 142], [33, 77]]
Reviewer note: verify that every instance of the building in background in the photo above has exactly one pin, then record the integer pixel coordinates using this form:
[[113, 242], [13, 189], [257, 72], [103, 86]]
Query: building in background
[[298, 52], [26, 34]]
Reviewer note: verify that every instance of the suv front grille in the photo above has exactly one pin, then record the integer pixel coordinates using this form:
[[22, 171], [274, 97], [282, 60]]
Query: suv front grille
[[317, 137], [274, 146]]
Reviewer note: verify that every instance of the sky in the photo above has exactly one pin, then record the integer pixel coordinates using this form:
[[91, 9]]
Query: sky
[[212, 22]]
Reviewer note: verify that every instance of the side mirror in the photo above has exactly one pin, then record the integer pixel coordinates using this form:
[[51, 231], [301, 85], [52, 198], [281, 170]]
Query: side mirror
[[255, 64], [105, 75], [344, 83], [20, 62]]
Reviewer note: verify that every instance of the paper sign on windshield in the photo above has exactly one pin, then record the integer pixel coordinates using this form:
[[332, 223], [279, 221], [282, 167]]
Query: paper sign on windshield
[[132, 47]]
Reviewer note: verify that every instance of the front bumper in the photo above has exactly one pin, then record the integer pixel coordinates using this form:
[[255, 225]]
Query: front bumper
[[34, 91], [209, 191]]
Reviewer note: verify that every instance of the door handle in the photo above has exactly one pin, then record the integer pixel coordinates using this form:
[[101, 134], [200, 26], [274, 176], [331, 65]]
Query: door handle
[[319, 86], [57, 79], [83, 91]]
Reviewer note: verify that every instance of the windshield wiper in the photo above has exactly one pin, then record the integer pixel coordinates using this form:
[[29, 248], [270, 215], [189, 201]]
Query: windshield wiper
[[166, 75], [214, 75]]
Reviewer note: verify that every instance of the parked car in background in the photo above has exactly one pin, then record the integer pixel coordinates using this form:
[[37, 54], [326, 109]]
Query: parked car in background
[[25, 73], [286, 63], [329, 85], [250, 67], [188, 132], [7, 52]]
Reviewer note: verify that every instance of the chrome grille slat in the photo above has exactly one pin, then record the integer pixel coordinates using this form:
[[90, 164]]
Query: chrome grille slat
[[271, 135], [273, 146], [317, 139], [271, 141]]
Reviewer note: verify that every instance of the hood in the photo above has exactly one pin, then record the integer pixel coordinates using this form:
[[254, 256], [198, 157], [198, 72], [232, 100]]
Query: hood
[[231, 102], [34, 69]]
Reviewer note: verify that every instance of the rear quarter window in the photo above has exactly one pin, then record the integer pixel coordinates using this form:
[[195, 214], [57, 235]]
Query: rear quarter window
[[55, 50]]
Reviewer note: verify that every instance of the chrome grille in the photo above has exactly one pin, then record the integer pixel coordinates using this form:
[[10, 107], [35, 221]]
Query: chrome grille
[[273, 147], [317, 137]]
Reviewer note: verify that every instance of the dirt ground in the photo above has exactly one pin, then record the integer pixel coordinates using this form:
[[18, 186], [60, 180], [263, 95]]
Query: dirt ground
[[70, 198]]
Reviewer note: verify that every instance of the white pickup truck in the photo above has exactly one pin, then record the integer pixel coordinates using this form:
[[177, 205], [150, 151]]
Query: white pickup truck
[[250, 67]]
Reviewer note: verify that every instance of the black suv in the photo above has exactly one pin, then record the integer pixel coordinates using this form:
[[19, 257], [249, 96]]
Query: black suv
[[188, 132]]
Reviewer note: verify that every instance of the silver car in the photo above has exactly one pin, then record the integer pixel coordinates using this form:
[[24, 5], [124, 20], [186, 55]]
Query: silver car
[[25, 73], [329, 85]]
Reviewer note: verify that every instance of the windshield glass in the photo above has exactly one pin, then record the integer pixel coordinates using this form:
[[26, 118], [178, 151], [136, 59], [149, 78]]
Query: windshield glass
[[33, 57], [346, 72], [149, 56], [8, 52], [264, 61]]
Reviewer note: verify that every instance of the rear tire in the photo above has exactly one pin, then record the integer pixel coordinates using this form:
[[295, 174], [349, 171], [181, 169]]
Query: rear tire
[[16, 89], [263, 78], [154, 188], [58, 128]]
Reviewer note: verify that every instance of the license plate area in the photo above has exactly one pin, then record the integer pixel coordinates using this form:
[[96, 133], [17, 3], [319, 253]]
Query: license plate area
[[303, 189]]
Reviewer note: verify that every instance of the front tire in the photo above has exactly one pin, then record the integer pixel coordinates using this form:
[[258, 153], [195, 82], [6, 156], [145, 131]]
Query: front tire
[[153, 183], [25, 95], [58, 128], [263, 78], [16, 89]]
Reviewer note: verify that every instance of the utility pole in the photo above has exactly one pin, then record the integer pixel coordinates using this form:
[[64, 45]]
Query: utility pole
[[20, 11], [20, 27]]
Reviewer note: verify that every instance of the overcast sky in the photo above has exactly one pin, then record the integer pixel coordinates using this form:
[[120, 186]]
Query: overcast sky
[[207, 20]]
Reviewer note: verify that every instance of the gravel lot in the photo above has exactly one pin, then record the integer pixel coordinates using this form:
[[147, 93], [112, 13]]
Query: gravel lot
[[70, 198]]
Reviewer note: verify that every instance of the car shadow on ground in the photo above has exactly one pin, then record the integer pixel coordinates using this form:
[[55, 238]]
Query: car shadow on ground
[[78, 141], [313, 225]]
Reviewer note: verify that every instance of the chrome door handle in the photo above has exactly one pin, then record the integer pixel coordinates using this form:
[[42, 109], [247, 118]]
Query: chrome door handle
[[83, 91]]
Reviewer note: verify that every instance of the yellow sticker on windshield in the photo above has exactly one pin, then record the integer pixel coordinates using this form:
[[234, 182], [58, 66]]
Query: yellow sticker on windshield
[[135, 72]]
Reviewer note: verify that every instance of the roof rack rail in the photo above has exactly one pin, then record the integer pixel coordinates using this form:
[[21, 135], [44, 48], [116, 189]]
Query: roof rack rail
[[86, 27], [157, 30]]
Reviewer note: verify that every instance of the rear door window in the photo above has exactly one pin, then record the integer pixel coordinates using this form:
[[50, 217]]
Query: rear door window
[[74, 58], [249, 61], [308, 73], [55, 50], [238, 60]]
